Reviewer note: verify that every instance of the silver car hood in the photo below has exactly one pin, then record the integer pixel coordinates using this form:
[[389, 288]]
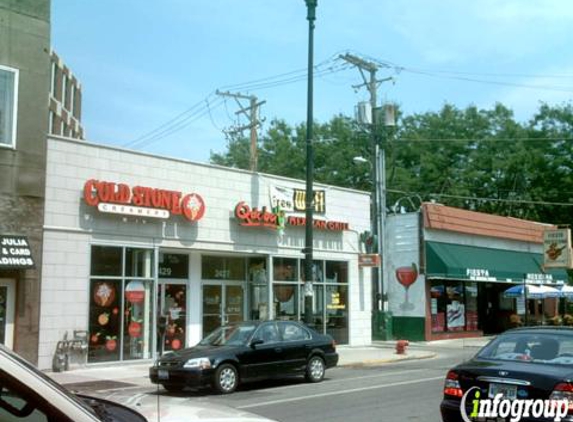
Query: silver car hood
[[163, 408]]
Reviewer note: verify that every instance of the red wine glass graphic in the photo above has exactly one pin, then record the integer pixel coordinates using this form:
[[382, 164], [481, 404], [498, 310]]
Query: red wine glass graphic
[[406, 277]]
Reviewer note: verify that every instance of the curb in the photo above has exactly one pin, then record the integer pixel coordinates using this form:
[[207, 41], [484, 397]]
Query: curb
[[374, 362]]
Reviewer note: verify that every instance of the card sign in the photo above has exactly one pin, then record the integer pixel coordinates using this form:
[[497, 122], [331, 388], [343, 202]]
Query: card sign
[[15, 252]]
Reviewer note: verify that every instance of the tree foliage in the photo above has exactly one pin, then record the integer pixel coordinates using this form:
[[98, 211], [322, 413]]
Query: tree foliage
[[479, 159]]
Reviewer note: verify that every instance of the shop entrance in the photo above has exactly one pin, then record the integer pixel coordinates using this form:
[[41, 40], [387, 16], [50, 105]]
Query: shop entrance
[[494, 309], [223, 303], [7, 311], [172, 305]]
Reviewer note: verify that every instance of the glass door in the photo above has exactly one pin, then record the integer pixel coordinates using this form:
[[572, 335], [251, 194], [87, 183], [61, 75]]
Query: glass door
[[234, 300], [214, 313], [172, 304], [7, 311]]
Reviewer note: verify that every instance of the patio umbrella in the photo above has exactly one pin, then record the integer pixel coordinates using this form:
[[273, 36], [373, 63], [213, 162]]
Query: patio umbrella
[[528, 290], [549, 292], [566, 291]]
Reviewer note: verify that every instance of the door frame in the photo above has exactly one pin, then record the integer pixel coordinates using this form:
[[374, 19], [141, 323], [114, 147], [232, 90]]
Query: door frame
[[10, 283], [160, 304], [224, 284]]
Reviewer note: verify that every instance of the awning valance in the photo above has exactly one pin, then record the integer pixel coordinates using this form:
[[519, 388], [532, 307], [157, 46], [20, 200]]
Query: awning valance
[[462, 262]]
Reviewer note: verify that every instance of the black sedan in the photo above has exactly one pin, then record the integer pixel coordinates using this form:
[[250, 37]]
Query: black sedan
[[524, 374], [247, 351]]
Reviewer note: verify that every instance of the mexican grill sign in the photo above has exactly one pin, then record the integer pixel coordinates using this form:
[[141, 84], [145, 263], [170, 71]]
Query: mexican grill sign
[[15, 252], [141, 201]]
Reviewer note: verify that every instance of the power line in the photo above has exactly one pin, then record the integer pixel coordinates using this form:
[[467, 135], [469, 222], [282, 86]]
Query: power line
[[179, 125], [485, 199], [464, 76], [558, 139], [203, 107]]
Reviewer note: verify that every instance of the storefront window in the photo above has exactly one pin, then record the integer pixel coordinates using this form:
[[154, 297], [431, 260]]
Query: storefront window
[[120, 316], [138, 317], [455, 308], [173, 265], [330, 299], [448, 306], [337, 312], [223, 268], [286, 301], [138, 262], [258, 288], [437, 295], [336, 272], [175, 309], [317, 271], [106, 260], [285, 269], [105, 320], [471, 306]]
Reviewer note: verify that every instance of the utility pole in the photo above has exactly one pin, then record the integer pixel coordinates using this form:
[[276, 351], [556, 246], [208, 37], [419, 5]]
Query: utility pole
[[309, 201], [378, 210], [252, 113]]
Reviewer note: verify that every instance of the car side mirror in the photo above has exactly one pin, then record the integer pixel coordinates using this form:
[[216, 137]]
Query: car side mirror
[[256, 342]]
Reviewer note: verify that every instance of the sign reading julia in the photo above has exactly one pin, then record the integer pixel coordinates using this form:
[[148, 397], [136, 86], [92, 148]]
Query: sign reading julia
[[15, 252]]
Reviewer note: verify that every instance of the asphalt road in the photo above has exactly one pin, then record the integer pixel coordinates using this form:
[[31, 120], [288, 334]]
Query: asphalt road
[[405, 391]]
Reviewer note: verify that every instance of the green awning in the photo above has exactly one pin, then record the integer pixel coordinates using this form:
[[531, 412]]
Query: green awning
[[461, 262]]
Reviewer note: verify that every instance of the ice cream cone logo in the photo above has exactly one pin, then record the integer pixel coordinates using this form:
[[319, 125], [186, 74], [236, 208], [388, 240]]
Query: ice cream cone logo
[[193, 207]]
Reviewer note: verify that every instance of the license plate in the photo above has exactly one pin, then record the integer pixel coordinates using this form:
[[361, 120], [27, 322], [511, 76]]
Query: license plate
[[509, 392], [162, 374]]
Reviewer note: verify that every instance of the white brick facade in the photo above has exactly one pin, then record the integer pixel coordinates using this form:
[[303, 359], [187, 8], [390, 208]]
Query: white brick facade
[[71, 227]]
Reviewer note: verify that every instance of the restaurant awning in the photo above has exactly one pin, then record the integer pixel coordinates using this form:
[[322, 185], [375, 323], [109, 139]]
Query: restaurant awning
[[461, 262]]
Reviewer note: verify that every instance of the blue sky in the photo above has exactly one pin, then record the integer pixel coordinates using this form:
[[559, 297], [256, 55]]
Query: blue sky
[[142, 63]]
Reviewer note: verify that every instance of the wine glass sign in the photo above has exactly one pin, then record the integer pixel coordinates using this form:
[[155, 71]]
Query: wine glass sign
[[407, 276]]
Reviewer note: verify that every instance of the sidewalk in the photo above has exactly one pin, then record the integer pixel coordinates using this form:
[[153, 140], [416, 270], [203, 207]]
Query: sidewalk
[[115, 375]]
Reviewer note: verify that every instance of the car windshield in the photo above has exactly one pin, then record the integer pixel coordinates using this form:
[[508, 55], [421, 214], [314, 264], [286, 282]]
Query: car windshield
[[534, 347], [230, 335]]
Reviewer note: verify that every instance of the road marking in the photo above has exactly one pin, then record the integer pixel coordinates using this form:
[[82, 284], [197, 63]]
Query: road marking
[[338, 393], [383, 374]]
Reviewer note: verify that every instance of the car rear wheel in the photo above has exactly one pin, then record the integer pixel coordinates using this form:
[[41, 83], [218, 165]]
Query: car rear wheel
[[315, 369], [226, 379]]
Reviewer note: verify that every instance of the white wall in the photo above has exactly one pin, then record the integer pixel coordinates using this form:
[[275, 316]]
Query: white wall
[[71, 227]]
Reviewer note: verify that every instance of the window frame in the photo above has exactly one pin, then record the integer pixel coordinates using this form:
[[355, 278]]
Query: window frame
[[12, 136]]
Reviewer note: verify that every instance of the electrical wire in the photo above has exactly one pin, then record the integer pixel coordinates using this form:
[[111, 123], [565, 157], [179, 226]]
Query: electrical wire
[[486, 199], [179, 125], [414, 140], [203, 107]]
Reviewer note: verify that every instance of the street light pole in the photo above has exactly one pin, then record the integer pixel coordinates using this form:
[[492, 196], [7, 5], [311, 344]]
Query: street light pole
[[309, 201]]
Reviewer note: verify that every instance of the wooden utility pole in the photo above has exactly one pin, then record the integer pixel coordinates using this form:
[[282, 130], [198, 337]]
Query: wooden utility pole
[[378, 174], [252, 113]]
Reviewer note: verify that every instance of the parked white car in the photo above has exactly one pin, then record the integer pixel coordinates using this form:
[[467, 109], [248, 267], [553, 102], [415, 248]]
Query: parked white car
[[29, 395]]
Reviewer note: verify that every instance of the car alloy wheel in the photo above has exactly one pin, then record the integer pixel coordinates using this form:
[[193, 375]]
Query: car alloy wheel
[[315, 369], [226, 378]]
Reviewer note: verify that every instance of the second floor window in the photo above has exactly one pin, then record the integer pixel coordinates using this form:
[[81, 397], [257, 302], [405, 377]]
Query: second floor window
[[8, 92]]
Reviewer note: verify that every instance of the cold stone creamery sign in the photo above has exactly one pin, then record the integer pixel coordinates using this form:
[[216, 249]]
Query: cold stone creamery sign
[[15, 252], [140, 201]]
